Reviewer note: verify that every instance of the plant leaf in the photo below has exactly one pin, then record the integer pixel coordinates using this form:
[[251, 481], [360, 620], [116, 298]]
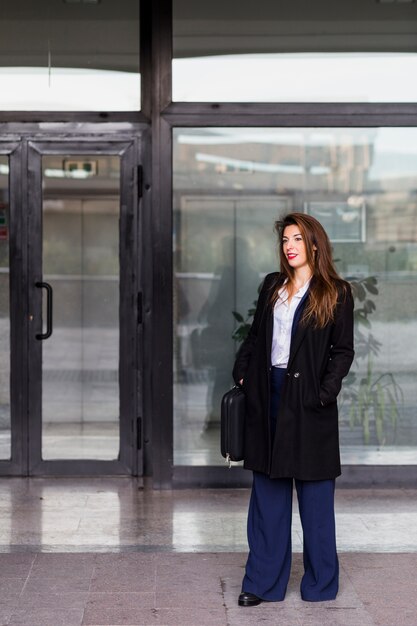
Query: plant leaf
[[238, 317], [372, 289]]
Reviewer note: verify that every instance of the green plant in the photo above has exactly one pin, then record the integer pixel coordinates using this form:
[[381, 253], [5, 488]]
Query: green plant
[[241, 331], [244, 323], [375, 399]]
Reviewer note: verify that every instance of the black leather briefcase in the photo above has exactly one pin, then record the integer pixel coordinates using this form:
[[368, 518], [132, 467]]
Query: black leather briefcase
[[233, 410]]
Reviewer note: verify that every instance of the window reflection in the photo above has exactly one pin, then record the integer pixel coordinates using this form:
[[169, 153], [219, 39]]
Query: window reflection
[[68, 90], [80, 361], [321, 77], [294, 51], [68, 56], [229, 187]]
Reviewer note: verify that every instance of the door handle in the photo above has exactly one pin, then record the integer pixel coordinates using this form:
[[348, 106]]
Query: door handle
[[49, 310]]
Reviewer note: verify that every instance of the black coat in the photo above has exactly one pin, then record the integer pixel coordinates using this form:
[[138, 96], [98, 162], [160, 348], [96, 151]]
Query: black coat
[[306, 443]]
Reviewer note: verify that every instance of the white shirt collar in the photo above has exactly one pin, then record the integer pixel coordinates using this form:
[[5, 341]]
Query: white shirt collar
[[299, 294]]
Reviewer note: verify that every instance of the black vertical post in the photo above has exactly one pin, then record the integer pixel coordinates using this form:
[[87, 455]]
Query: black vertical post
[[161, 409]]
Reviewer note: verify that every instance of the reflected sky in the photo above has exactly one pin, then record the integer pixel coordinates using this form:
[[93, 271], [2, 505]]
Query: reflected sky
[[296, 77], [68, 89]]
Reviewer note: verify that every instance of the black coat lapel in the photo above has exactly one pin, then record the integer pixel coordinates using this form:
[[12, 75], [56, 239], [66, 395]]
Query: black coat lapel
[[298, 330], [269, 330], [269, 315]]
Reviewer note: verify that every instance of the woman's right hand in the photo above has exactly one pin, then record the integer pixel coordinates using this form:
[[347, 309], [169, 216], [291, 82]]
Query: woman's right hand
[[241, 382]]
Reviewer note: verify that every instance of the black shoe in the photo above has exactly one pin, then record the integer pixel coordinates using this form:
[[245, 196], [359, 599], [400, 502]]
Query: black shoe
[[248, 599]]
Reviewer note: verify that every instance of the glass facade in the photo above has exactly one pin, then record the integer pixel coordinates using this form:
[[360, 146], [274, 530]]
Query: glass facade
[[69, 56], [5, 440], [296, 140], [294, 51], [230, 184], [80, 361]]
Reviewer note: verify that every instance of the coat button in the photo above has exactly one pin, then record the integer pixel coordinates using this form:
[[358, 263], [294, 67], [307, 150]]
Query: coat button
[[297, 374]]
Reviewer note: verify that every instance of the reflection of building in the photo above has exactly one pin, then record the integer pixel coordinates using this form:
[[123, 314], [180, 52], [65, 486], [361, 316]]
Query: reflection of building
[[103, 167], [338, 163]]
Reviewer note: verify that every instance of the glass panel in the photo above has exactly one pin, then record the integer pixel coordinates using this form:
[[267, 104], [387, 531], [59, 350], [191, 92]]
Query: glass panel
[[5, 439], [68, 55], [229, 186], [294, 51], [80, 393]]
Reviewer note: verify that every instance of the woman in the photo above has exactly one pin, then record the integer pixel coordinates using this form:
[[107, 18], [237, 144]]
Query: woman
[[291, 366]]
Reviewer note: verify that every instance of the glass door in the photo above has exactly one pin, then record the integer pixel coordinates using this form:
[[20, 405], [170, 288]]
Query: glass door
[[83, 336]]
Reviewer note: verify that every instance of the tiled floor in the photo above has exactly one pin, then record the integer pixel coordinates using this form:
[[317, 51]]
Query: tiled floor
[[102, 552]]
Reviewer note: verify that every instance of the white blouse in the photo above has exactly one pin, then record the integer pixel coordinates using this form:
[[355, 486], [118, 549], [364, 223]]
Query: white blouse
[[283, 319]]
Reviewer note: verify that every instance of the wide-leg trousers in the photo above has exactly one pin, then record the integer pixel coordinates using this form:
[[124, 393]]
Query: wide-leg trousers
[[269, 531]]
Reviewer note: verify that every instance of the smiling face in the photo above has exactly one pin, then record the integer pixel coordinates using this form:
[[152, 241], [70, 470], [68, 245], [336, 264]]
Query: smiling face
[[294, 248]]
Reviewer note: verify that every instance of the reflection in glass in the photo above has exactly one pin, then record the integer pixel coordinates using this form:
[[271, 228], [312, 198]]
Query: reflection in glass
[[321, 77], [5, 442], [294, 51], [80, 392], [68, 56], [229, 186]]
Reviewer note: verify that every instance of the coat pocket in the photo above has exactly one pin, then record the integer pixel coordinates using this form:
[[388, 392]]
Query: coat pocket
[[311, 396]]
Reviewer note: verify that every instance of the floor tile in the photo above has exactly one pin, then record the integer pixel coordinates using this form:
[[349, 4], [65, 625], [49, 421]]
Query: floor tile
[[183, 597], [46, 617], [120, 600], [266, 615], [58, 584], [11, 588], [47, 600], [15, 565], [185, 617], [393, 616]]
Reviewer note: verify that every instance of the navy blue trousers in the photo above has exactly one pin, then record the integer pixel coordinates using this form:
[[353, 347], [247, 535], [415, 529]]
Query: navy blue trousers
[[269, 530]]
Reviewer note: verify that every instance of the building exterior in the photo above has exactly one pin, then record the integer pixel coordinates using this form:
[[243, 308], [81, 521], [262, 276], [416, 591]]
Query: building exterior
[[146, 149]]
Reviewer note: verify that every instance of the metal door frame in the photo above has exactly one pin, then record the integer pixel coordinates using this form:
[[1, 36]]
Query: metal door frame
[[25, 201], [13, 148], [130, 459]]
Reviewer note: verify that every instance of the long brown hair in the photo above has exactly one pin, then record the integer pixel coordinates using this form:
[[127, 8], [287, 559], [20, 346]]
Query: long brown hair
[[326, 284]]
